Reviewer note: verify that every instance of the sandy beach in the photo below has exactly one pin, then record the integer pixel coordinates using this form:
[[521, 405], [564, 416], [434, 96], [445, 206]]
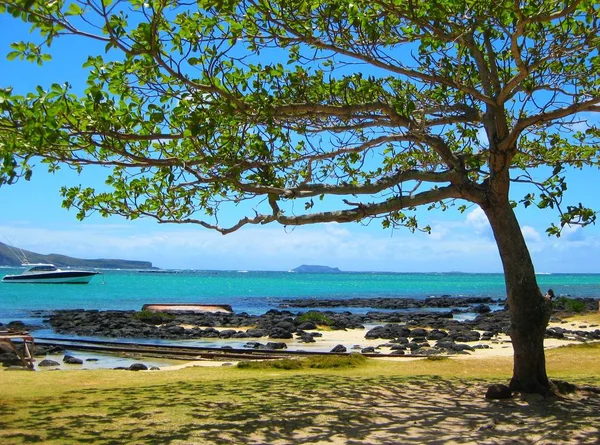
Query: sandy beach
[[354, 340]]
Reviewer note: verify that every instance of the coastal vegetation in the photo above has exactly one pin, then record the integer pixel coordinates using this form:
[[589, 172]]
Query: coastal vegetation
[[570, 304], [377, 401], [154, 318], [336, 111], [316, 317]]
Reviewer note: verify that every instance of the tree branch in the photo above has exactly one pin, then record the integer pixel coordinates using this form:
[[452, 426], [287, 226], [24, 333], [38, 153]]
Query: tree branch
[[362, 211]]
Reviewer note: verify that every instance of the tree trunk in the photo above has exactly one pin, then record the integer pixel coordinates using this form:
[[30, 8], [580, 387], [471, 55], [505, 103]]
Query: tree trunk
[[529, 311]]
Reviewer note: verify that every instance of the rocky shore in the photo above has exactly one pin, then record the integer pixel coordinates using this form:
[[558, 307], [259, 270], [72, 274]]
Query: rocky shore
[[414, 332], [276, 324], [285, 324], [445, 301]]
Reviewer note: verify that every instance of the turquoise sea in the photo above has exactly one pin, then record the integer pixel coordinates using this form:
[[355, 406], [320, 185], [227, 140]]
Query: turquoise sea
[[257, 292]]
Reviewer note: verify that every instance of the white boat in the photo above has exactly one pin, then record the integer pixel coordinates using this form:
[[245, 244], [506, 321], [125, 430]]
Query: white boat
[[45, 273]]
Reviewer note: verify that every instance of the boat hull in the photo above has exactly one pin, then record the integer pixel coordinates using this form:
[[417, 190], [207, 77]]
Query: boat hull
[[64, 277]]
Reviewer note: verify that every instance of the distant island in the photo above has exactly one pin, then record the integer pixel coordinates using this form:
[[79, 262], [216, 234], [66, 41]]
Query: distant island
[[316, 269], [8, 258]]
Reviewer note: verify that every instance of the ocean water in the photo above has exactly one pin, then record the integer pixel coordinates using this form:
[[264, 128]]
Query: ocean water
[[257, 292]]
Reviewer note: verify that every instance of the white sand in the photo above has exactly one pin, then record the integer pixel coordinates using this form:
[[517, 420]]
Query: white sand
[[354, 340]]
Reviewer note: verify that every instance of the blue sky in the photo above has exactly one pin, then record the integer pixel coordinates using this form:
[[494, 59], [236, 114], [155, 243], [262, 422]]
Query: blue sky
[[33, 218]]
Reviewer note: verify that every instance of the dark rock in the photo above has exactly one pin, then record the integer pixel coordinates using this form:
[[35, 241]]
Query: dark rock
[[419, 332], [155, 368], [286, 326], [389, 331], [498, 391], [419, 340], [481, 309], [339, 349], [48, 362], [307, 326], [555, 332], [9, 358], [280, 333], [69, 359], [464, 335], [436, 334], [91, 359], [400, 340], [227, 333], [256, 333], [307, 337], [462, 347], [138, 367], [368, 350], [276, 345], [17, 325]]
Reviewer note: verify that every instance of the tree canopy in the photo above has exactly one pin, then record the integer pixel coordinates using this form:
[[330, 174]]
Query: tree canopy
[[385, 105], [302, 112]]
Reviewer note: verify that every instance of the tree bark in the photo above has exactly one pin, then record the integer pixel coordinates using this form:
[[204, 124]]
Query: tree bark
[[529, 311]]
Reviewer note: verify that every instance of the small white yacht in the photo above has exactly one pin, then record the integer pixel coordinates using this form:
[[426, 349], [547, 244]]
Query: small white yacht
[[45, 273]]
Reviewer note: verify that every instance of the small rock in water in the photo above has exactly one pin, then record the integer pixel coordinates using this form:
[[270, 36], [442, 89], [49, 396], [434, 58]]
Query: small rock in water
[[69, 359], [339, 348]]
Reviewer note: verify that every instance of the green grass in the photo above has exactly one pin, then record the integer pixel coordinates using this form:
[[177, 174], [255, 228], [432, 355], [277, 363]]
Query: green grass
[[373, 401], [587, 318], [317, 362], [438, 358]]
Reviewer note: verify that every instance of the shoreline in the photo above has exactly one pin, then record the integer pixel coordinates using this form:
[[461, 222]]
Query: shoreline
[[564, 332], [500, 347]]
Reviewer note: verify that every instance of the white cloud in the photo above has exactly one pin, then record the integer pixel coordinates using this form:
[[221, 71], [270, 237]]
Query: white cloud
[[572, 233], [530, 234], [478, 221]]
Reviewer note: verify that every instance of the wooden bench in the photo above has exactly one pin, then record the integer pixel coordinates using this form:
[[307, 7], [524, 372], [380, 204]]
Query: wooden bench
[[14, 339]]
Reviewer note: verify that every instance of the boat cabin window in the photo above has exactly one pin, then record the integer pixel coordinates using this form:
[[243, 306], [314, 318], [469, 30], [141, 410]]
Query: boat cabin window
[[42, 269]]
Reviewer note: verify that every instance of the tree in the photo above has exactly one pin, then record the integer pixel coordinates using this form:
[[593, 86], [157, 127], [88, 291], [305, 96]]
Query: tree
[[357, 110]]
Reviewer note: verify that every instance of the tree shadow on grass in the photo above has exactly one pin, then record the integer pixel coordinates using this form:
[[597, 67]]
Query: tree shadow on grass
[[303, 410]]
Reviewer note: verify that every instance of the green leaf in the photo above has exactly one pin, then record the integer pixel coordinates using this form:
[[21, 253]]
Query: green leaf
[[74, 9], [14, 54]]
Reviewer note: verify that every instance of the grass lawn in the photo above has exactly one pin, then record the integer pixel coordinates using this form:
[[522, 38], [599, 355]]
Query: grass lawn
[[420, 401]]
